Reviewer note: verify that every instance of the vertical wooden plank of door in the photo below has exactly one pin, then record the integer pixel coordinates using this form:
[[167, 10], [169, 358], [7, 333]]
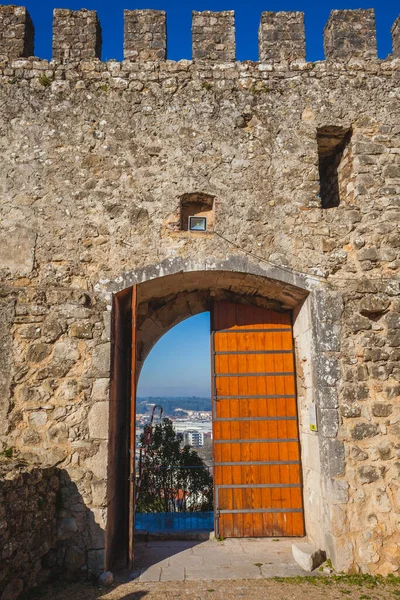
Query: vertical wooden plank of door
[[132, 427]]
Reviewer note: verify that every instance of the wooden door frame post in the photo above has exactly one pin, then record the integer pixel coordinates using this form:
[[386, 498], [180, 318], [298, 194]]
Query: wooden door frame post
[[132, 436]]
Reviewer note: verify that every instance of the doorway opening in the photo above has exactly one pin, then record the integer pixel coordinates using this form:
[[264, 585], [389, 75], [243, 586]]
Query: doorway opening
[[174, 464]]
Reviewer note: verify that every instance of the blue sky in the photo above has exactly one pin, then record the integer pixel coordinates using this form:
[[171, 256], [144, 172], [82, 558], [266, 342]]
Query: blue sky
[[179, 22], [179, 364]]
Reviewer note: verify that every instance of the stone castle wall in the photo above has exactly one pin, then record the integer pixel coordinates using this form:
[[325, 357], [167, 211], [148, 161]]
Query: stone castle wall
[[95, 160], [28, 525]]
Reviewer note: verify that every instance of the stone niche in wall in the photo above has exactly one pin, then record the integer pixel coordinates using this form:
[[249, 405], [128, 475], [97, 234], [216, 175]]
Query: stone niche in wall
[[197, 205], [335, 164], [194, 204]]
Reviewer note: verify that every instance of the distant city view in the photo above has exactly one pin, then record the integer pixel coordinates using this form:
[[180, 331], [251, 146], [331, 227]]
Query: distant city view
[[190, 416]]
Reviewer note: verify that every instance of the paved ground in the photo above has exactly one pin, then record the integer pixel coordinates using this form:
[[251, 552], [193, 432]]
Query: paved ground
[[228, 570], [212, 560]]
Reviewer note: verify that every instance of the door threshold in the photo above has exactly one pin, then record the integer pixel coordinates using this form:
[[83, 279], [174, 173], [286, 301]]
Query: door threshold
[[152, 536]]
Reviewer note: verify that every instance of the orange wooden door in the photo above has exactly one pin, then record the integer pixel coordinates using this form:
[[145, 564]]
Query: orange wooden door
[[257, 471]]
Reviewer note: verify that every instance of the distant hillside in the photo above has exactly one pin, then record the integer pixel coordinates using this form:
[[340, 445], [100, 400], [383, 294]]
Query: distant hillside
[[170, 404]]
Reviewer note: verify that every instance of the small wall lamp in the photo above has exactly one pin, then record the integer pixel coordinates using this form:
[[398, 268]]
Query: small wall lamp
[[197, 224]]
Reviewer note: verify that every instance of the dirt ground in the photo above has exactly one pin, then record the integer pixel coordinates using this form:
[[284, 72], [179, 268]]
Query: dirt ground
[[353, 588]]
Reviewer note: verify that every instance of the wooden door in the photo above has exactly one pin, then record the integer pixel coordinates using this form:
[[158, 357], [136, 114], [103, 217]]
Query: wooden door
[[118, 531], [257, 471]]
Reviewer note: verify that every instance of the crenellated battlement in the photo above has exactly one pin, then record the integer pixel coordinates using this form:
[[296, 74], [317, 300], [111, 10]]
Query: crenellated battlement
[[281, 37], [213, 36], [77, 35], [16, 32], [350, 33], [145, 35]]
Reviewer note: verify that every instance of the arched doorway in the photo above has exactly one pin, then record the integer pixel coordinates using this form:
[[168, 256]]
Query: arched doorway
[[160, 303]]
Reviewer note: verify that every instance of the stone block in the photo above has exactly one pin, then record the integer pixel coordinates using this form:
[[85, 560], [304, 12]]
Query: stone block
[[327, 309], [350, 411], [370, 254], [81, 331], [359, 323], [76, 35], [58, 433], [36, 353], [382, 501], [281, 37], [98, 421], [145, 35], [332, 457], [307, 556], [382, 452], [310, 453], [17, 250], [327, 336], [74, 558], [393, 338], [382, 409], [98, 462], [372, 305], [396, 38], [340, 551], [100, 390], [101, 360], [96, 561], [393, 320], [213, 36], [326, 397], [65, 350], [66, 528], [38, 418], [368, 474], [106, 579], [99, 493], [17, 33], [106, 335], [364, 430], [97, 527], [337, 490], [326, 370], [52, 329], [350, 34], [328, 422]]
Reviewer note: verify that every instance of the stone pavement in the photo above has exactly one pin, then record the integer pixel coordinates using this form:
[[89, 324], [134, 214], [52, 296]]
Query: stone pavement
[[245, 558]]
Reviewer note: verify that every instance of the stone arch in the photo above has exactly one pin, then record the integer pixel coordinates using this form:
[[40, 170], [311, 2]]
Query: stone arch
[[177, 288], [166, 301], [232, 263]]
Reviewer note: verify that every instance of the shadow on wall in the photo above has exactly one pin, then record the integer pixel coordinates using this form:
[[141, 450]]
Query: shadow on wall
[[79, 546], [46, 530]]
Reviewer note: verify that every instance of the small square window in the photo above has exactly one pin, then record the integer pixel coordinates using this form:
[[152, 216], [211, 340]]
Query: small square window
[[197, 212], [197, 224]]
